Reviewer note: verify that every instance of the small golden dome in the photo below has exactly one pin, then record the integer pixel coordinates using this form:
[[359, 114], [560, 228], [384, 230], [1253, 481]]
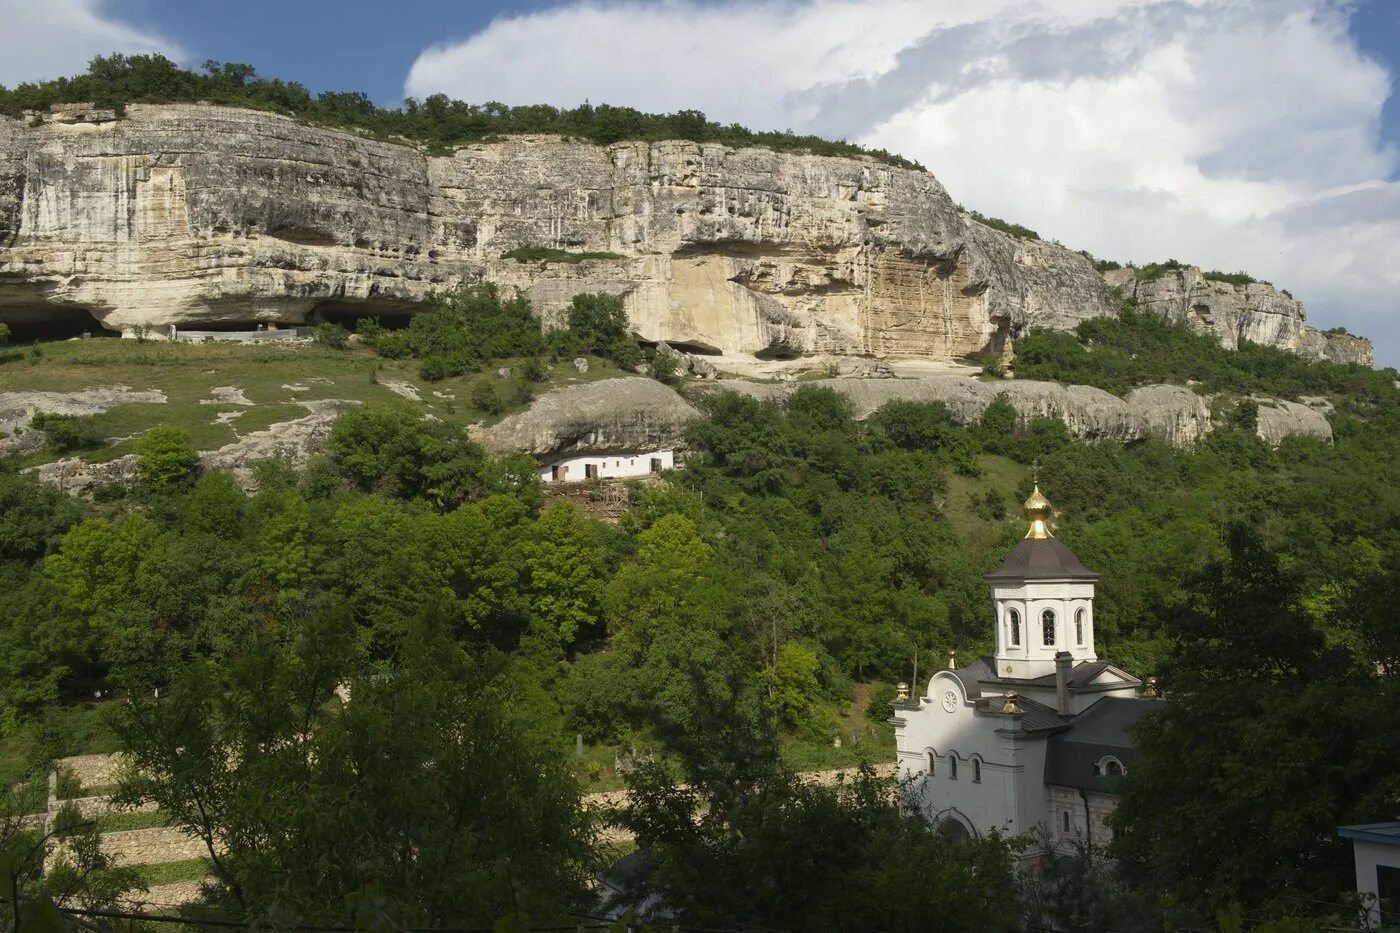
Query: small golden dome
[[1038, 513]]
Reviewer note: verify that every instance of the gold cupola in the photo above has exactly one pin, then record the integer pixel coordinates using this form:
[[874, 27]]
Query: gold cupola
[[1038, 514]]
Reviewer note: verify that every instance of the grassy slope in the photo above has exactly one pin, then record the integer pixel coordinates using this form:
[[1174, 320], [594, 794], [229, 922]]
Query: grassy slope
[[187, 374]]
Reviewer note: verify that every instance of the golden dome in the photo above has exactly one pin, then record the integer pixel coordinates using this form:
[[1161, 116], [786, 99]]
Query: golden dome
[[1038, 513]]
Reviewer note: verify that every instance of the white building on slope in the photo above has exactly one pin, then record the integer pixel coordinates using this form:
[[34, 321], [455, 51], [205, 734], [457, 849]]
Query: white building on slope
[[1037, 735], [613, 465]]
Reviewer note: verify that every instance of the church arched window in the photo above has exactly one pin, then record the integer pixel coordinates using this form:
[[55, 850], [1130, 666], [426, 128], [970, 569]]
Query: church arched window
[[932, 758], [1064, 816], [1047, 627], [1079, 626], [952, 767], [1013, 627], [977, 771], [1113, 768]]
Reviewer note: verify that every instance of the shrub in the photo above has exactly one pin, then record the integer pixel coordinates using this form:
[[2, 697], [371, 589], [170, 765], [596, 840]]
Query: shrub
[[1230, 278], [1006, 226], [164, 456], [65, 433], [331, 335], [485, 397], [534, 369], [598, 321], [626, 354], [4, 333], [665, 368]]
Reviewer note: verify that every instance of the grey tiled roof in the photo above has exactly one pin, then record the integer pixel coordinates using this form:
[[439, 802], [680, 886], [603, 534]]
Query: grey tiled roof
[[1042, 559], [1102, 729]]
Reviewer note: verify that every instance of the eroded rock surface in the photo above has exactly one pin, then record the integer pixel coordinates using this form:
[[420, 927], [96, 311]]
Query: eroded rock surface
[[294, 440], [1256, 312], [628, 413], [1173, 414], [188, 214], [17, 408], [1279, 419]]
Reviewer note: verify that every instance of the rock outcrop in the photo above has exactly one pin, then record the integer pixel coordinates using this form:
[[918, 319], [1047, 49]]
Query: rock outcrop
[[199, 215], [1279, 419], [1256, 312], [1173, 414], [17, 408], [628, 413]]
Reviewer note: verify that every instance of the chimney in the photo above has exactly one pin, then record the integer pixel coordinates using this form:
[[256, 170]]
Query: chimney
[[1063, 662]]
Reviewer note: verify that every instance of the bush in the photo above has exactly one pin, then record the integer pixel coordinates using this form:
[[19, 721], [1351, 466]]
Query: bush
[[665, 368], [1230, 278], [598, 321], [66, 433], [534, 369], [1006, 226], [165, 456], [485, 397], [331, 335], [4, 333], [626, 354]]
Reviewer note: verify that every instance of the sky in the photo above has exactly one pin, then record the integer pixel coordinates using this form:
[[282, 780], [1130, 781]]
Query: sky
[[1256, 135]]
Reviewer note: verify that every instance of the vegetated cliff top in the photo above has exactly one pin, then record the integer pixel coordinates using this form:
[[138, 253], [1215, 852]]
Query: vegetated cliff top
[[439, 122]]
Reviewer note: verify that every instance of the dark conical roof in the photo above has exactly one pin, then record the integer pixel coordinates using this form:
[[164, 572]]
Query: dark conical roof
[[1041, 559]]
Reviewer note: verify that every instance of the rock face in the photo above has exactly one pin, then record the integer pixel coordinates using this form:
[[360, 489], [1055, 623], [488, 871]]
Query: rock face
[[630, 413], [197, 215], [1173, 414], [1256, 312], [1279, 419]]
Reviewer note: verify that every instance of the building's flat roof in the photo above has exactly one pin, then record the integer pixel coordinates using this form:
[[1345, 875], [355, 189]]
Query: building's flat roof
[[1387, 834]]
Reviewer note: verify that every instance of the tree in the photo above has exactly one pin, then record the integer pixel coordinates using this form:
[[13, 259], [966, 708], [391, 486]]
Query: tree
[[1285, 737], [391, 448], [599, 321], [792, 682], [564, 564], [416, 802], [665, 586], [164, 456], [737, 839]]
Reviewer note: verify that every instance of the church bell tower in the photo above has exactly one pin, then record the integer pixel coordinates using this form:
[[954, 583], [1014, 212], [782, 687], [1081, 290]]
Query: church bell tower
[[1044, 601]]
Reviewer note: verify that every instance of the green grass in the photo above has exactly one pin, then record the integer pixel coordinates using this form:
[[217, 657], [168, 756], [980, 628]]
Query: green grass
[[121, 821], [193, 869], [187, 374], [550, 254], [1000, 474]]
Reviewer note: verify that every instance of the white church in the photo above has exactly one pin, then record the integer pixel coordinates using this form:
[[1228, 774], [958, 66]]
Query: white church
[[1035, 737]]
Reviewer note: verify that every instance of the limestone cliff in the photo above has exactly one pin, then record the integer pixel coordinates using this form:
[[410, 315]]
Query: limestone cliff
[[199, 215], [1256, 312]]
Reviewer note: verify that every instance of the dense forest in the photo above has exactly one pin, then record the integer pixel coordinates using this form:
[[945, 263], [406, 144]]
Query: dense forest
[[440, 123], [717, 636]]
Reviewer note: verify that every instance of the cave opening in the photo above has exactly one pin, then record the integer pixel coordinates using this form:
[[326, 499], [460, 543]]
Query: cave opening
[[41, 323], [352, 315], [777, 353]]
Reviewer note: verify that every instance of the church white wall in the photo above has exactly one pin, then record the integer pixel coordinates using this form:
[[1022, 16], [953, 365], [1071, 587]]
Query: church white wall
[[608, 466], [1009, 797], [1032, 657]]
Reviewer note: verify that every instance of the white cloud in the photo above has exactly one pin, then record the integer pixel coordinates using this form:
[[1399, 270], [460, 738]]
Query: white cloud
[[1237, 134], [49, 38]]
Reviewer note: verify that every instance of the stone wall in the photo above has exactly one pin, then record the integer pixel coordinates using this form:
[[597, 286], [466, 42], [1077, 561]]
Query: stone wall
[[1067, 800]]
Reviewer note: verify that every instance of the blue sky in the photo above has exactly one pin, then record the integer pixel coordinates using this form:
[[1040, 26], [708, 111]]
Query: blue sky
[[1237, 134]]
